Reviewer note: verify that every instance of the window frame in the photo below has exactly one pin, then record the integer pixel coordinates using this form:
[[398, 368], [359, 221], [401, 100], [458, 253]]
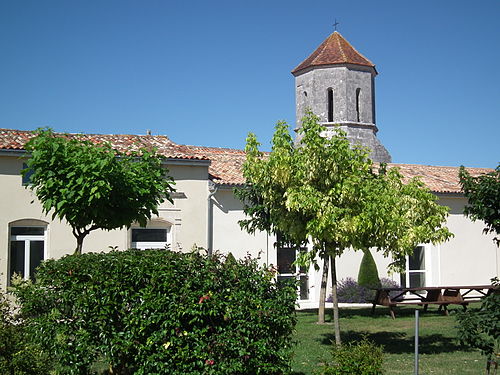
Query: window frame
[[144, 245], [26, 179], [297, 272], [426, 270], [26, 238]]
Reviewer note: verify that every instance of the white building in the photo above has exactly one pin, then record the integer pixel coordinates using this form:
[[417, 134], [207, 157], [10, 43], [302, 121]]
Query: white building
[[337, 83]]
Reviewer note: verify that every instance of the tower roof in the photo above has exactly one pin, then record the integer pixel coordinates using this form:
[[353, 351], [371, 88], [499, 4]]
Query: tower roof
[[334, 50]]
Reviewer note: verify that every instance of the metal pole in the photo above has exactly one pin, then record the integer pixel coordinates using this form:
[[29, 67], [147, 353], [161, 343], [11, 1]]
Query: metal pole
[[416, 342]]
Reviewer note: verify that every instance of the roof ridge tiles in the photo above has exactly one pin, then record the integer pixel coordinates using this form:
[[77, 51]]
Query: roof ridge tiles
[[88, 134], [436, 166], [12, 139], [341, 49], [211, 148]]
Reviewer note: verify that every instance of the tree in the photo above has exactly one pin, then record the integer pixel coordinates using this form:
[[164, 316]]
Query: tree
[[480, 328], [328, 191], [483, 193], [93, 186]]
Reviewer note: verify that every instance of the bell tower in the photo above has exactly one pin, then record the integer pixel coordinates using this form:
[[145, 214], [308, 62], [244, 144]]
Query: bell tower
[[337, 84]]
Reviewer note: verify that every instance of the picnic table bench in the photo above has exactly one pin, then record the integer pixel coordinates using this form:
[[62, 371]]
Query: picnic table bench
[[441, 296]]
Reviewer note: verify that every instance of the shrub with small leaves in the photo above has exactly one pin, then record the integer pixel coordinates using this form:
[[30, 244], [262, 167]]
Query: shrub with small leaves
[[480, 328], [349, 291], [160, 312], [388, 283], [18, 355], [355, 358], [368, 273]]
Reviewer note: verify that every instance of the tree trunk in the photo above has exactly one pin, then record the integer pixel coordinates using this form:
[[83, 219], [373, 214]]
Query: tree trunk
[[336, 324], [322, 292], [79, 244], [80, 234]]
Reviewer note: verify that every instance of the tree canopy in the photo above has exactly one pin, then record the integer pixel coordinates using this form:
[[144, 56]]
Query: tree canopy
[[329, 191], [483, 193], [94, 186]]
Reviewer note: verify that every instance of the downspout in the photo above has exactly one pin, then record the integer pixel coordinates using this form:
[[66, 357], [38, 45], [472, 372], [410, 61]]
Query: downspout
[[267, 248], [212, 188]]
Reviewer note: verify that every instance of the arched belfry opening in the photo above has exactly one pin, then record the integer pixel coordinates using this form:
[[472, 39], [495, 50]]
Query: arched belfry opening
[[329, 100], [358, 104]]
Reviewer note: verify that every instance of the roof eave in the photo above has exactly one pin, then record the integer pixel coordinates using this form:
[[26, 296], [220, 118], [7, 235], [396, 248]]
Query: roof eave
[[187, 161], [297, 72], [229, 186], [13, 152], [165, 161], [450, 194]]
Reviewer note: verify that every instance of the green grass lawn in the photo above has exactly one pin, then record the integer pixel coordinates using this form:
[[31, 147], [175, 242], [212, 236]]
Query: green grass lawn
[[440, 351]]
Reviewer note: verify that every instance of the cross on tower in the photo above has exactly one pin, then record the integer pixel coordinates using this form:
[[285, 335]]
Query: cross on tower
[[335, 24]]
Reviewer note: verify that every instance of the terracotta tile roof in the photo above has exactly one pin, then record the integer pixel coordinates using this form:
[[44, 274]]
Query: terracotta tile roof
[[226, 164], [334, 50], [226, 168], [15, 140], [437, 179]]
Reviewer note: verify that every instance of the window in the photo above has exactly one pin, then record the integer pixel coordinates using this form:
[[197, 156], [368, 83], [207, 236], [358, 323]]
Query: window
[[416, 270], [150, 238], [27, 176], [27, 250], [358, 104], [330, 104], [286, 255]]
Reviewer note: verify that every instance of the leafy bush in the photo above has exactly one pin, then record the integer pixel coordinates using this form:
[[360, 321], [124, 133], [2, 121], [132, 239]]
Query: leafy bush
[[17, 354], [368, 273], [9, 336], [349, 291], [160, 312], [388, 283], [480, 328], [360, 358]]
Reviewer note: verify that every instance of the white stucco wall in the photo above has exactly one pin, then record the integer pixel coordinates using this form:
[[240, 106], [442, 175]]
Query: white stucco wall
[[187, 216], [228, 235], [471, 257], [190, 213]]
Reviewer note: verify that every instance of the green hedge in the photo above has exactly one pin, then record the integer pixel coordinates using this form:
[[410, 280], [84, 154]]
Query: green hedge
[[18, 355], [480, 328], [368, 273], [355, 358], [160, 312]]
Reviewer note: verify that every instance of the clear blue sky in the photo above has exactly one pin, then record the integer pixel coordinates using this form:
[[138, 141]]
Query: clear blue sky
[[208, 72]]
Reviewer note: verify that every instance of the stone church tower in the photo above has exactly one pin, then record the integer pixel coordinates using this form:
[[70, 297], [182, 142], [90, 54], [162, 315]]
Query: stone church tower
[[337, 84]]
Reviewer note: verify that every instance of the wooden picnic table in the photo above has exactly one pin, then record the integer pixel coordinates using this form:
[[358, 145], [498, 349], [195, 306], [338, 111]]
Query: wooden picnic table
[[441, 296]]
